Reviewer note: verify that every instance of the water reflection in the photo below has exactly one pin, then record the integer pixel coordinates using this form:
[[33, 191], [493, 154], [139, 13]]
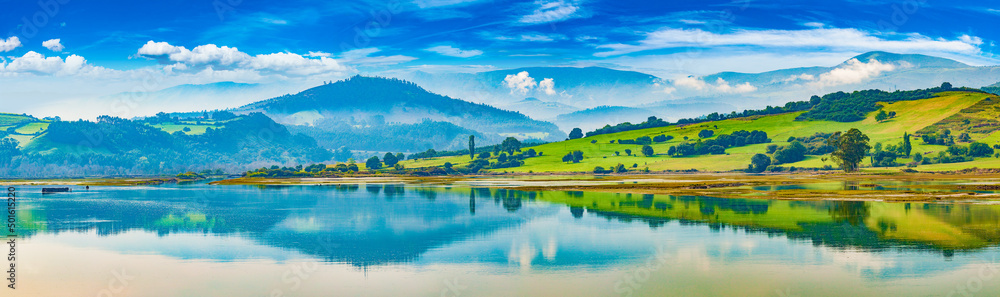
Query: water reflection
[[394, 223]]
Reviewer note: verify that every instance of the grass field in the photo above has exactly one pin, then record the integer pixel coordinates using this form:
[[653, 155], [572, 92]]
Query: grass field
[[32, 128], [9, 119], [195, 129], [911, 117]]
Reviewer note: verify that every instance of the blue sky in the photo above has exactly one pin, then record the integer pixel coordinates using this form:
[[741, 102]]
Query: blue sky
[[101, 43]]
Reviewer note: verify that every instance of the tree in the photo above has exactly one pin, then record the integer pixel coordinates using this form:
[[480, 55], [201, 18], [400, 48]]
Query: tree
[[484, 155], [759, 163], [978, 149], [400, 157], [510, 145], [918, 157], [791, 153], [620, 168], [881, 116], [946, 86], [502, 158], [576, 133], [628, 152], [574, 156], [647, 151], [472, 147], [716, 150], [706, 133], [373, 163], [342, 154], [389, 159], [8, 149], [907, 147], [672, 151], [850, 148]]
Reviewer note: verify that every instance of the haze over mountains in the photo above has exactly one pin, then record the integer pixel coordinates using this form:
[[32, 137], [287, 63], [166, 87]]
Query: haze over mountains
[[545, 102]]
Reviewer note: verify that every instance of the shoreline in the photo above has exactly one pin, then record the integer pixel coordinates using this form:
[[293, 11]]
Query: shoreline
[[974, 186]]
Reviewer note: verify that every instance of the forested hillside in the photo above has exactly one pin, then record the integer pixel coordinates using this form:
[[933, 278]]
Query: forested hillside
[[115, 146], [395, 101]]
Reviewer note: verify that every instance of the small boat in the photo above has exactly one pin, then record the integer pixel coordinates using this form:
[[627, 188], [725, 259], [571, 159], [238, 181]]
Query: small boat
[[54, 190]]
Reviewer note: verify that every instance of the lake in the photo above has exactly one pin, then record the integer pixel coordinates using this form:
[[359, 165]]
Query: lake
[[423, 240]]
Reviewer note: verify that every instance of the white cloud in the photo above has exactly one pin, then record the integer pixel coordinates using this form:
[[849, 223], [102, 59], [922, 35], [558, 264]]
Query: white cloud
[[852, 72], [524, 37], [833, 38], [318, 54], [542, 38], [723, 86], [53, 45], [363, 57], [35, 63], [720, 86], [971, 39], [294, 64], [548, 86], [451, 51], [441, 3], [805, 77], [210, 56], [690, 82], [551, 11], [9, 44], [693, 22], [520, 83]]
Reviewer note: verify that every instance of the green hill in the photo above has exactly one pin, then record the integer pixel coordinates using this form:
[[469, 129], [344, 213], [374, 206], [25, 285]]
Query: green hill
[[945, 111], [361, 99], [115, 146]]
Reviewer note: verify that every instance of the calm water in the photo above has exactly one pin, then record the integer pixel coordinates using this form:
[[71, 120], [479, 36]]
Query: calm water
[[395, 240]]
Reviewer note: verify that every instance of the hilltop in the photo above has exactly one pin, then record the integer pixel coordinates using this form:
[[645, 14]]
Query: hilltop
[[373, 101]]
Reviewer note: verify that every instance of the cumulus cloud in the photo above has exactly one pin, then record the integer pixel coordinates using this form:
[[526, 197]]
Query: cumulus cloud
[[451, 51], [548, 86], [551, 11], [9, 44], [720, 86], [35, 63], [214, 57], [834, 38], [691, 82], [53, 45], [520, 83], [723, 86], [852, 72]]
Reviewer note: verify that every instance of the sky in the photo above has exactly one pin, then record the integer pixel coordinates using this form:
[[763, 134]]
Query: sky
[[57, 51]]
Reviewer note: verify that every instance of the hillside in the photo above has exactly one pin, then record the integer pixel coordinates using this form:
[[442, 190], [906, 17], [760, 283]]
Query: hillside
[[115, 146], [593, 118], [994, 88], [368, 101], [911, 116]]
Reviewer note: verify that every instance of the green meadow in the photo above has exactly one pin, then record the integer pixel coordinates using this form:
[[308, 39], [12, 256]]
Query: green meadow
[[911, 116]]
